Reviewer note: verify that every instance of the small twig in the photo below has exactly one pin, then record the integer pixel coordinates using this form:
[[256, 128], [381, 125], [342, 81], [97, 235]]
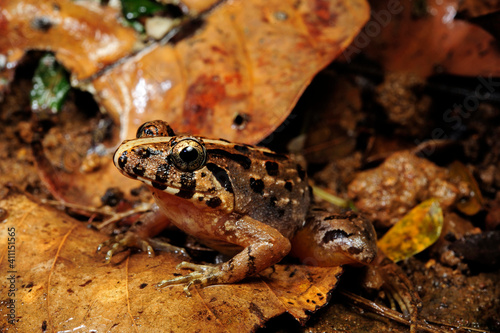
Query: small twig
[[102, 211], [388, 313], [141, 208]]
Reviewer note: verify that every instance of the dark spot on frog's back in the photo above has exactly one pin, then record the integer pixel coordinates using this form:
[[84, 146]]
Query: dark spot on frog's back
[[334, 234], [221, 176], [275, 155], [272, 168], [214, 202], [354, 250], [301, 172], [336, 217], [289, 186], [257, 185], [242, 160]]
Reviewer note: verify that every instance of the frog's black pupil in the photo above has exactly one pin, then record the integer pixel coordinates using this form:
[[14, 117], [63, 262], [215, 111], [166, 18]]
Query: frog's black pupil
[[188, 154]]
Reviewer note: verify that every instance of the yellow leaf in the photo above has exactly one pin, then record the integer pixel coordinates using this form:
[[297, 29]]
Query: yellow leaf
[[415, 232]]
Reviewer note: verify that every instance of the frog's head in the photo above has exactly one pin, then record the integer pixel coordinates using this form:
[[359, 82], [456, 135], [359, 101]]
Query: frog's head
[[174, 165]]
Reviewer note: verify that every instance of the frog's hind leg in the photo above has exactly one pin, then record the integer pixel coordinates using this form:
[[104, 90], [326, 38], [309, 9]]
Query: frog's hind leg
[[333, 239], [263, 246]]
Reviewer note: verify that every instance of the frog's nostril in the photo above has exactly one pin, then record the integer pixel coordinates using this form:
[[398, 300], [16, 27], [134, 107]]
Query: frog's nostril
[[142, 153]]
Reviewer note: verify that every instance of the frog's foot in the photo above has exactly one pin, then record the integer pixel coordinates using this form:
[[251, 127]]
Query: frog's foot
[[130, 239], [167, 247], [124, 241], [203, 275]]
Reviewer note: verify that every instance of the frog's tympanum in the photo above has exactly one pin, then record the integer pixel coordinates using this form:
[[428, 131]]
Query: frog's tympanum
[[245, 201]]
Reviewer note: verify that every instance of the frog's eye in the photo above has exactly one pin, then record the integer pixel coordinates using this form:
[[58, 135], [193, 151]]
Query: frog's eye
[[188, 155], [154, 128]]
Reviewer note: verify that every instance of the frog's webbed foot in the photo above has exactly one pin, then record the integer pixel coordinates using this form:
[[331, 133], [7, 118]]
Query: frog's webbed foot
[[203, 275], [130, 239]]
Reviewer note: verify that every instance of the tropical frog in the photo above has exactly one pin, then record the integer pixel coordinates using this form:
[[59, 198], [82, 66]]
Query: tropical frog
[[244, 201]]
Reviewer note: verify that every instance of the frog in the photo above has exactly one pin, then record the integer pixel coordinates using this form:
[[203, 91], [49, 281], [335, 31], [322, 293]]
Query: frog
[[247, 202]]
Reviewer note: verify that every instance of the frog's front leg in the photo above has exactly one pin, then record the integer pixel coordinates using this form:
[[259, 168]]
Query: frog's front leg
[[140, 236], [263, 246]]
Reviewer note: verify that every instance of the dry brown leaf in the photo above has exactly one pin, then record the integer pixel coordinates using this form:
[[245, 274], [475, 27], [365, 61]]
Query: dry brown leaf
[[433, 41], [67, 28], [474, 8], [250, 62], [237, 77], [250, 59], [63, 284]]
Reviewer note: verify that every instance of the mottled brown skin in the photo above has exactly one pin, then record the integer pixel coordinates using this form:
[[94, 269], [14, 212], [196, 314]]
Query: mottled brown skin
[[241, 200]]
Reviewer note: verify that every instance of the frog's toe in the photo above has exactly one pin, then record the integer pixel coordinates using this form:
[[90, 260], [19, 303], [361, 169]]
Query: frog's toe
[[122, 242], [167, 247], [194, 267], [203, 275]]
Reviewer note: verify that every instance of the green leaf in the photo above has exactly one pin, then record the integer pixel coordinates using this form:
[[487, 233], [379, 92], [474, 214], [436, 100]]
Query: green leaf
[[50, 86], [337, 201], [133, 9]]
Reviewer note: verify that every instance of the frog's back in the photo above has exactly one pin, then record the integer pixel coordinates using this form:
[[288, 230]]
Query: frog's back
[[267, 186]]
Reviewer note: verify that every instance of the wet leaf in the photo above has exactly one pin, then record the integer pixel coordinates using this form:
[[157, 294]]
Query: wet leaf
[[64, 285], [397, 32], [237, 75], [50, 86], [474, 202], [473, 8], [389, 191], [38, 25], [415, 232]]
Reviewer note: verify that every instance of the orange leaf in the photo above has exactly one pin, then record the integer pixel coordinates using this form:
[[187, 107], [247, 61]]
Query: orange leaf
[[62, 284]]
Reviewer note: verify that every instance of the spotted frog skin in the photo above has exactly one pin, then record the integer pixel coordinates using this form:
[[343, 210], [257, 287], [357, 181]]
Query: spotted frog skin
[[245, 201]]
